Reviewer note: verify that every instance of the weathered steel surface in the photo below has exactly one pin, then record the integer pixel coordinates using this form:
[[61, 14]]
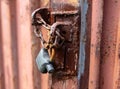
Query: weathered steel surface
[[24, 44], [116, 84], [65, 84], [109, 45], [96, 29], [1, 57], [84, 54], [17, 49], [19, 46], [69, 57], [6, 45]]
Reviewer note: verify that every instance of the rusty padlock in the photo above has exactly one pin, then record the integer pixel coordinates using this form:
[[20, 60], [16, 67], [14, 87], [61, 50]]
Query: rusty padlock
[[43, 61]]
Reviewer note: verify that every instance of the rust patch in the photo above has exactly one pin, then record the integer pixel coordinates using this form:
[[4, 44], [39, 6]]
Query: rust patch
[[63, 7], [66, 60]]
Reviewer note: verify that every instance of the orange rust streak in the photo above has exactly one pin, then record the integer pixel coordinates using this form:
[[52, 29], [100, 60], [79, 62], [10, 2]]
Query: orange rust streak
[[117, 60]]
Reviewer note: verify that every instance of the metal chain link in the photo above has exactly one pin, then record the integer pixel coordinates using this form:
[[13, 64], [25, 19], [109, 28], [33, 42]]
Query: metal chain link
[[39, 35], [56, 40]]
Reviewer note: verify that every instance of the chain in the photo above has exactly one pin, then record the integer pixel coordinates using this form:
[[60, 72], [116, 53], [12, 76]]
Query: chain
[[54, 36], [38, 34], [56, 40]]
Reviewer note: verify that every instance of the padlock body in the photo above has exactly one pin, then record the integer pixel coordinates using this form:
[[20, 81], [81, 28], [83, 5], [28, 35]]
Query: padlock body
[[43, 61]]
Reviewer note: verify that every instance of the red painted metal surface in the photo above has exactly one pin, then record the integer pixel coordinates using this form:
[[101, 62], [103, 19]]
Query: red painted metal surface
[[96, 29], [7, 45], [109, 44], [24, 44], [19, 47]]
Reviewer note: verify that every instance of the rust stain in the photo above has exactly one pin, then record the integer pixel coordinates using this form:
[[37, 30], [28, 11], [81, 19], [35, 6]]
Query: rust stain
[[70, 48], [65, 84], [64, 76]]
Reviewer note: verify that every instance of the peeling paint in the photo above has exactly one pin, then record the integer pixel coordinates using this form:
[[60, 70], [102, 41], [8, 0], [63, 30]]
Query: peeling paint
[[84, 9]]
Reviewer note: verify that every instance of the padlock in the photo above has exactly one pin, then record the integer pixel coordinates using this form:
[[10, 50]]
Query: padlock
[[43, 62]]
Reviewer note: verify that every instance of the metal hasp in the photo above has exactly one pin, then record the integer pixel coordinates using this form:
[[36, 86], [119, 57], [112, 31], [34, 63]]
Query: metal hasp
[[66, 58], [62, 46]]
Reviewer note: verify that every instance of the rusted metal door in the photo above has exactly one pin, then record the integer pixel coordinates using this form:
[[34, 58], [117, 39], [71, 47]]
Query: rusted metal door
[[96, 38]]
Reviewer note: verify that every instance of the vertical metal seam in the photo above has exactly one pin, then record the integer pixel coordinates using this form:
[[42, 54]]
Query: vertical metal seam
[[84, 9]]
